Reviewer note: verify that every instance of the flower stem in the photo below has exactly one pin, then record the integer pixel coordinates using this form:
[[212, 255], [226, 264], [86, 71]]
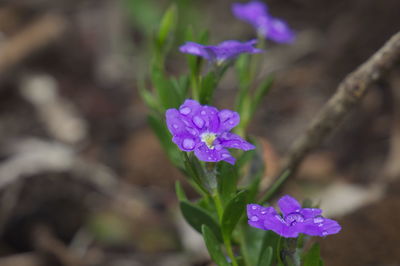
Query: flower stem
[[275, 186], [227, 240]]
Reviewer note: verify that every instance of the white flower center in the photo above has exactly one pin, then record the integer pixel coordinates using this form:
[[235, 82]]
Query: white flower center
[[208, 138]]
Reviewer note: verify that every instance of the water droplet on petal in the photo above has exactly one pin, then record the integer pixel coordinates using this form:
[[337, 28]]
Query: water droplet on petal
[[218, 147], [320, 225], [318, 220], [254, 207], [209, 158], [231, 122], [198, 121], [185, 110], [188, 144], [324, 233], [203, 112], [225, 155], [254, 219], [263, 212]]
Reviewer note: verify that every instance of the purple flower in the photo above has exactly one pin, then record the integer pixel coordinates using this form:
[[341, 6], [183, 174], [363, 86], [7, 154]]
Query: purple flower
[[222, 52], [205, 130], [256, 13], [294, 219]]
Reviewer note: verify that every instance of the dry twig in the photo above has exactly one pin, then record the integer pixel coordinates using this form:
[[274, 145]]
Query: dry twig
[[348, 95]]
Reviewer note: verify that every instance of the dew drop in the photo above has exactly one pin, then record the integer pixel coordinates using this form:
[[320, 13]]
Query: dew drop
[[324, 233], [188, 144], [218, 147], [175, 126], [203, 112], [198, 121], [209, 158], [185, 110], [254, 219], [263, 212], [254, 207], [225, 155], [318, 220], [231, 122]]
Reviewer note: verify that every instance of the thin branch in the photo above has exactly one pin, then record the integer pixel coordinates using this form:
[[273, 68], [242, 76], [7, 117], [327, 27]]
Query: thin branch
[[348, 95]]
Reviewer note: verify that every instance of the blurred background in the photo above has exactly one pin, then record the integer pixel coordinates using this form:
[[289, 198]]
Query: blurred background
[[83, 181]]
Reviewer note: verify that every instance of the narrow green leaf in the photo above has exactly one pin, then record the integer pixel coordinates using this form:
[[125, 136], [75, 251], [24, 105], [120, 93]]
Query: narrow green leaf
[[167, 95], [208, 84], [197, 217], [180, 193], [232, 213], [213, 246], [312, 257], [266, 257], [227, 177], [167, 25]]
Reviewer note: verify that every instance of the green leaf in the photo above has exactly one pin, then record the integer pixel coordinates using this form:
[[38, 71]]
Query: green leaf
[[232, 213], [166, 94], [227, 177], [167, 25], [180, 193], [208, 84], [266, 257], [197, 217], [312, 257], [148, 98], [213, 246]]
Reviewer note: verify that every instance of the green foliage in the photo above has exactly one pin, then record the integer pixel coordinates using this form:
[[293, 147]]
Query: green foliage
[[197, 217], [233, 212], [312, 257], [213, 246]]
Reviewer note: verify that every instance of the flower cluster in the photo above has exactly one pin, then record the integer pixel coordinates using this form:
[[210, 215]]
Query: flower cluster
[[205, 130], [294, 219], [256, 13], [222, 52]]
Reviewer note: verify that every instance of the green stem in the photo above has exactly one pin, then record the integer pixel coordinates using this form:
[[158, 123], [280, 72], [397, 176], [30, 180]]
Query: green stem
[[275, 186], [243, 245], [227, 240]]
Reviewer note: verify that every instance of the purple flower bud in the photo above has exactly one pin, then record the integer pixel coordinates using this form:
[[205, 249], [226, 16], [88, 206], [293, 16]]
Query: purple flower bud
[[256, 13], [293, 221], [222, 52], [205, 131]]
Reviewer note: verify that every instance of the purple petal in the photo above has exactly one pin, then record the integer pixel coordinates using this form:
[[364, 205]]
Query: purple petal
[[189, 108], [320, 226], [196, 49], [230, 140], [279, 31], [207, 119], [206, 154], [256, 215], [276, 223], [288, 205], [231, 49], [310, 212], [250, 12], [228, 120], [175, 123], [186, 142]]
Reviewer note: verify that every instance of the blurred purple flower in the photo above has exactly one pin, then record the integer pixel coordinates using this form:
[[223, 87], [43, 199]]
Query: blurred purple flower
[[256, 13], [294, 219], [222, 52], [205, 130]]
